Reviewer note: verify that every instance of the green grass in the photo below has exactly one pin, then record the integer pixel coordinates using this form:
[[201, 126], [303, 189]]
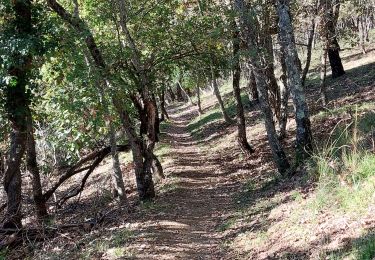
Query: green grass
[[196, 126], [226, 225], [115, 244], [3, 254], [162, 149], [361, 249], [169, 187], [344, 170], [198, 123], [365, 107]]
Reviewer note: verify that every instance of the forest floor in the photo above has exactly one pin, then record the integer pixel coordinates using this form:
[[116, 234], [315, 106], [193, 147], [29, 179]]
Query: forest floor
[[217, 204]]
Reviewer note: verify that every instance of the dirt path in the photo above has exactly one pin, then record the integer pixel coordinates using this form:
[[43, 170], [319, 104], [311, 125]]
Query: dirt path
[[184, 224]]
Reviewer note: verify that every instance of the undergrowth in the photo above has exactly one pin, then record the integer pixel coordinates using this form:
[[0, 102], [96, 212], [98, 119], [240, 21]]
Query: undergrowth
[[344, 169]]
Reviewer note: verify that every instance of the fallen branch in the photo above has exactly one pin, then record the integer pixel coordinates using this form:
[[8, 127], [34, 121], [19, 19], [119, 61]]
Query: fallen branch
[[80, 189], [77, 167]]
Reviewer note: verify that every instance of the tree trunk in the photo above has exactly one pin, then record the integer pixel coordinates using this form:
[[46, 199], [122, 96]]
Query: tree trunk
[[16, 105], [187, 96], [32, 166], [199, 99], [252, 87], [279, 156], [323, 73], [266, 38], [284, 94], [171, 94], [241, 121], [143, 175], [309, 51], [334, 59], [218, 97], [118, 181], [145, 146], [361, 33], [179, 96], [288, 47], [248, 29], [162, 104], [12, 177], [329, 10]]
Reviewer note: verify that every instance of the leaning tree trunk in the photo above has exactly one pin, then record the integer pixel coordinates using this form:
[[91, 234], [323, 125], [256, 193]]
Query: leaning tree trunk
[[279, 155], [288, 47], [248, 29], [32, 166], [171, 94], [241, 122], [16, 105], [179, 95], [218, 97]]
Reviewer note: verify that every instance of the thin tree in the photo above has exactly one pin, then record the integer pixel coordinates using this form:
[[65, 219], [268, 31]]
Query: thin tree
[[287, 41], [236, 70], [249, 26]]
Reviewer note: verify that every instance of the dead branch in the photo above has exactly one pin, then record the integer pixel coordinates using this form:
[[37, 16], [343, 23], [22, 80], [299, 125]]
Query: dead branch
[[77, 167], [79, 189]]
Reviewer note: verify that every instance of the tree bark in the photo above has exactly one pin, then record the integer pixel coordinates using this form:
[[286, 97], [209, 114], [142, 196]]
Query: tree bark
[[329, 10], [309, 50], [241, 121], [162, 105], [145, 184], [32, 166], [199, 98], [284, 94], [96, 156], [288, 47], [249, 30], [118, 181], [171, 94], [16, 105], [179, 95], [323, 73], [252, 87], [266, 38], [142, 147], [218, 97]]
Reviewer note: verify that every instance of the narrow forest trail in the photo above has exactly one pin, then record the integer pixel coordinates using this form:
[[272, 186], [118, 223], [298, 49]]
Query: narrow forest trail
[[185, 223]]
